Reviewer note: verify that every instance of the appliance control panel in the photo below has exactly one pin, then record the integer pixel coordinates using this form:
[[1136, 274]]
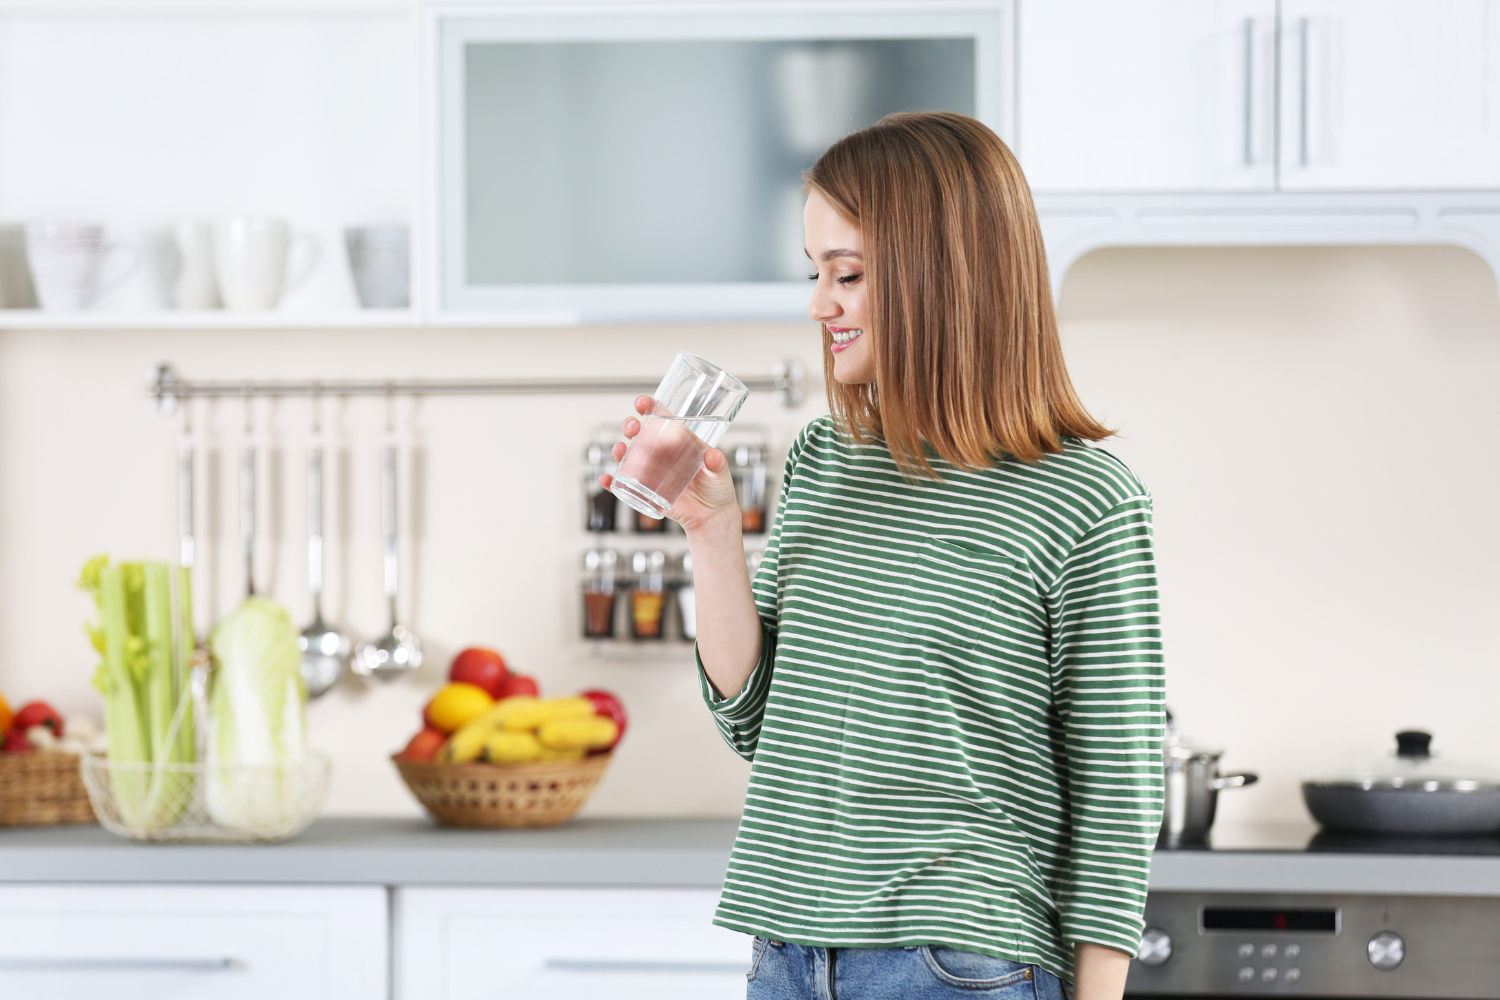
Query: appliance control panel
[[1355, 946]]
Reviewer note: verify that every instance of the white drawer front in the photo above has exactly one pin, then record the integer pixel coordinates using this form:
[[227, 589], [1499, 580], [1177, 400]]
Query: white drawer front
[[552, 944], [193, 942]]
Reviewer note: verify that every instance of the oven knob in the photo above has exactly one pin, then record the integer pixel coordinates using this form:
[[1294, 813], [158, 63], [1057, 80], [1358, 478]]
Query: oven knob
[[1246, 974], [1156, 947], [1386, 950]]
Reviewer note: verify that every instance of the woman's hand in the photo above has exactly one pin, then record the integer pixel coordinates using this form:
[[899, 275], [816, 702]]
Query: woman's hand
[[729, 628], [708, 500]]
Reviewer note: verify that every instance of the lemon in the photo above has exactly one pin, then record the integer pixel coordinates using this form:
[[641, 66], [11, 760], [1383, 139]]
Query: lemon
[[456, 705]]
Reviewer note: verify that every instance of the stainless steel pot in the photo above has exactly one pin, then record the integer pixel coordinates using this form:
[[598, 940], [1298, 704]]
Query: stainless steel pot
[[1410, 793], [1193, 783]]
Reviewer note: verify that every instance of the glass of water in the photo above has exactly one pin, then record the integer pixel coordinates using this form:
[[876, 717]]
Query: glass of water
[[689, 413]]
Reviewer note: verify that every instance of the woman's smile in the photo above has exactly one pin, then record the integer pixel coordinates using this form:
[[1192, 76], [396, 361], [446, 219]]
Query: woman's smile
[[843, 337]]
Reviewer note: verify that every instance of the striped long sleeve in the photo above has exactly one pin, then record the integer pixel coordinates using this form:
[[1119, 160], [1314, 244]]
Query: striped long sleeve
[[1108, 687], [953, 728]]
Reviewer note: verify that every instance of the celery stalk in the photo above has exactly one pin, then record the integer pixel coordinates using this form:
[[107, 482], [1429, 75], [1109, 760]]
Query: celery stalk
[[169, 791], [123, 719]]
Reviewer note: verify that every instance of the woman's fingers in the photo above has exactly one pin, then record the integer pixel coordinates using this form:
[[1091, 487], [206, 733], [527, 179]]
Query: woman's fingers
[[631, 427], [606, 480], [643, 404], [618, 451], [714, 461]]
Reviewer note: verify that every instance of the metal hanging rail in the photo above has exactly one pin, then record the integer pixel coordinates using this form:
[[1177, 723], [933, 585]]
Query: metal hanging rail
[[168, 388]]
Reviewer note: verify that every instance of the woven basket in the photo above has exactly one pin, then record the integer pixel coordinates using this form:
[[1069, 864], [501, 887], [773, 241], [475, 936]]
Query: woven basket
[[503, 795], [42, 788]]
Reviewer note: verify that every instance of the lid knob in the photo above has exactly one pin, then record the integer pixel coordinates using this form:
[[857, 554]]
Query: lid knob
[[1413, 743]]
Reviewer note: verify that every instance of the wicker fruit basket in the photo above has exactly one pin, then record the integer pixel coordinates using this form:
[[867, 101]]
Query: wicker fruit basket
[[503, 795], [42, 788]]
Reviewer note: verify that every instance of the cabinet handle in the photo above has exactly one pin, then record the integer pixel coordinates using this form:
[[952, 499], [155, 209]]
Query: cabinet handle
[[117, 964], [1304, 31], [1249, 91], [627, 965]]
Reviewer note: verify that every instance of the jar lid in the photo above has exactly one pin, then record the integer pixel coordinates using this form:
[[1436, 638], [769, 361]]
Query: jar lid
[[600, 560], [747, 455], [1411, 767], [648, 562]]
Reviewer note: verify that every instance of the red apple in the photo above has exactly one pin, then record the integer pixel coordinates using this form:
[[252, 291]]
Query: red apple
[[16, 742], [517, 684], [39, 713], [424, 745], [481, 667], [609, 706]]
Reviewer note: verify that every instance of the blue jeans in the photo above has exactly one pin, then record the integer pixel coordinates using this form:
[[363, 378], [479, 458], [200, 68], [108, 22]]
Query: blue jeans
[[785, 971]]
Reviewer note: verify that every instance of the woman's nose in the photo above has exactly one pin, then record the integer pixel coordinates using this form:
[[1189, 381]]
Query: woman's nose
[[822, 308]]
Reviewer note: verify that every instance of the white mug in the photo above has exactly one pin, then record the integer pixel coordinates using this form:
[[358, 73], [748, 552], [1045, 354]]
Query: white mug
[[65, 259], [380, 263], [194, 283], [250, 256]]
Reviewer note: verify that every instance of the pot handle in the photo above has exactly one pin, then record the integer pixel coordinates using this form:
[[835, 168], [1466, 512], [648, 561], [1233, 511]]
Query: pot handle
[[1233, 781]]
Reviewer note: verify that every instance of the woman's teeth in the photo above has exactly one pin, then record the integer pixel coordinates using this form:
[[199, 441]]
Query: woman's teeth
[[844, 336]]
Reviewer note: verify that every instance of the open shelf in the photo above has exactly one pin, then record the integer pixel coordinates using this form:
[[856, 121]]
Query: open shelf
[[209, 319]]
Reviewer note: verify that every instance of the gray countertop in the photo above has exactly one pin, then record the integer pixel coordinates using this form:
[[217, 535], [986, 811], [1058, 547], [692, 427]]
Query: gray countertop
[[621, 852]]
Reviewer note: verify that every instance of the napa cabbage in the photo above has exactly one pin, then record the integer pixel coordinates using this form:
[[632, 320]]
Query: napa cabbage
[[257, 709]]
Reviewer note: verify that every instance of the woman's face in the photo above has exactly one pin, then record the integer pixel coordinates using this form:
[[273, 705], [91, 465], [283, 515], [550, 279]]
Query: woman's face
[[838, 299]]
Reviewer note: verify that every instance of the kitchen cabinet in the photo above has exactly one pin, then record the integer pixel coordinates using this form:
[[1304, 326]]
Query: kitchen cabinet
[[204, 942], [1390, 95], [1147, 95], [646, 164], [1251, 95], [541, 944]]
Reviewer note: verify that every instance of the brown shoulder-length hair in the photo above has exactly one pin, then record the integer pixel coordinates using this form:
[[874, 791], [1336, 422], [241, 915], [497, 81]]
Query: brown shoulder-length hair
[[967, 356]]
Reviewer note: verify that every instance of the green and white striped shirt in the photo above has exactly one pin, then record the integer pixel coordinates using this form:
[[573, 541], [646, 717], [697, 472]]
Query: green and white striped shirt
[[955, 724]]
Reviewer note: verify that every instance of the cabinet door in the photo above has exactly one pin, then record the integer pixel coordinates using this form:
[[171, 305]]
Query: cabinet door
[[562, 944], [1390, 95], [1147, 95], [77, 942]]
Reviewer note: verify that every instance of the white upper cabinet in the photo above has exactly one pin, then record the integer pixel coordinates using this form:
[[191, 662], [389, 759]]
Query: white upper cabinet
[[1147, 95], [1390, 95]]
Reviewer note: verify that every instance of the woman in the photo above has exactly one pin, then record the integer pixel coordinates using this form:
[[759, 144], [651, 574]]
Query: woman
[[947, 673]]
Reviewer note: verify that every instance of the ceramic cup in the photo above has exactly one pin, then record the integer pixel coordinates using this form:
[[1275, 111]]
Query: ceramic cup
[[195, 285], [380, 263], [250, 257], [66, 261], [16, 289]]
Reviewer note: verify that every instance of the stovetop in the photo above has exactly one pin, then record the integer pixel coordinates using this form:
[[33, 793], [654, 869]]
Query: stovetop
[[1296, 838]]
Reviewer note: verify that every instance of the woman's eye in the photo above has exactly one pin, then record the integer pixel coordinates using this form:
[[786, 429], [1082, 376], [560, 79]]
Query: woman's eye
[[813, 276], [849, 279]]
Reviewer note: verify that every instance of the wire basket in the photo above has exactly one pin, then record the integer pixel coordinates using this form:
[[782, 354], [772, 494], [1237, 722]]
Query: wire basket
[[502, 795], [227, 803]]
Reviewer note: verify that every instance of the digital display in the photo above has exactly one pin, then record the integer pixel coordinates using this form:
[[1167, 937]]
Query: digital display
[[1218, 918]]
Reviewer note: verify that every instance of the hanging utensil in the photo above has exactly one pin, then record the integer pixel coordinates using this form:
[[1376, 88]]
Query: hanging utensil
[[247, 495], [399, 651], [325, 650]]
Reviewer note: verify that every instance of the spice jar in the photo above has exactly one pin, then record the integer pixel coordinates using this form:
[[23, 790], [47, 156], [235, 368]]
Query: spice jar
[[687, 606], [648, 599], [600, 503], [599, 567], [747, 465]]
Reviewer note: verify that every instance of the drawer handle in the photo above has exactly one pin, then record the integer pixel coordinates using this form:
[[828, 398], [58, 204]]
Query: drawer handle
[[626, 965], [119, 964]]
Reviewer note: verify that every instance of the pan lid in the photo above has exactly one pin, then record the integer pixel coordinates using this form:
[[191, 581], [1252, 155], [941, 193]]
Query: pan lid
[[1176, 745], [1413, 767]]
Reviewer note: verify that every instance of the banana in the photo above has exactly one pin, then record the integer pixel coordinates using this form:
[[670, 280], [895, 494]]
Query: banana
[[593, 733]]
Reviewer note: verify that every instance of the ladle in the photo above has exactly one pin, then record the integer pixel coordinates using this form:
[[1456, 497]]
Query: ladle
[[325, 650], [399, 651]]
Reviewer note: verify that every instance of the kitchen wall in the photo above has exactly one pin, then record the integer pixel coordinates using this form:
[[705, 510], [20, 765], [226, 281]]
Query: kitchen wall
[[1316, 427]]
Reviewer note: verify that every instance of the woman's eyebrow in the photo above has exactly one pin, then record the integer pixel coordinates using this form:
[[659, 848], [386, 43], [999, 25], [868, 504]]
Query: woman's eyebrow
[[828, 255]]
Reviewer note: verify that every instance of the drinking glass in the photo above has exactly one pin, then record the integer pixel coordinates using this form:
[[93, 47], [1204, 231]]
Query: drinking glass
[[690, 411]]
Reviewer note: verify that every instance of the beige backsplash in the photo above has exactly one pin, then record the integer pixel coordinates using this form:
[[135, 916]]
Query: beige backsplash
[[1315, 426]]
